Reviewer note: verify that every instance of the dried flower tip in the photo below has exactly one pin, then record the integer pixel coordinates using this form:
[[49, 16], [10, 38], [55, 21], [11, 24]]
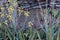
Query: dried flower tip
[[30, 24]]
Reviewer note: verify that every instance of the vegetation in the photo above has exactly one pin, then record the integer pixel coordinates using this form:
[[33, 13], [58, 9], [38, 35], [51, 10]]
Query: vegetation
[[47, 26]]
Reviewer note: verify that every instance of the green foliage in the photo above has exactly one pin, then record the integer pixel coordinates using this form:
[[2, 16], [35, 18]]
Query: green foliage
[[53, 12], [9, 32]]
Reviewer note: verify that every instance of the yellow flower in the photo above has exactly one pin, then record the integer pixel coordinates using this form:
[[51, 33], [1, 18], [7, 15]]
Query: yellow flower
[[14, 4], [9, 16], [20, 10], [10, 9], [26, 13], [9, 0], [30, 24], [2, 8], [2, 15]]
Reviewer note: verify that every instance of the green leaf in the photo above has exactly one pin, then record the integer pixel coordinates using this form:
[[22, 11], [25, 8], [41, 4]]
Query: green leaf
[[32, 38], [55, 12], [58, 36], [38, 35]]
